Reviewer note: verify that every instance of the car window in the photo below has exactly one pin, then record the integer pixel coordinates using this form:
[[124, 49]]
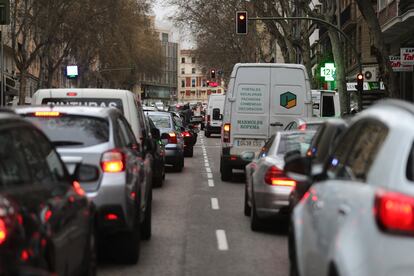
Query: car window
[[126, 134], [14, 170], [266, 148], [295, 141], [410, 165], [73, 130], [161, 121], [178, 121]]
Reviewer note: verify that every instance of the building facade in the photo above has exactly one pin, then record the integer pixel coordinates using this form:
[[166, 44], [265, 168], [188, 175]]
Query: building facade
[[193, 82]]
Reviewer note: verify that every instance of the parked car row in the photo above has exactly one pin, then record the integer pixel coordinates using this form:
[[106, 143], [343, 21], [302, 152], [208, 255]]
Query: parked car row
[[76, 173]]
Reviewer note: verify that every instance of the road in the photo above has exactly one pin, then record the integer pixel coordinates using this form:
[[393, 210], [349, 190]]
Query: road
[[199, 227]]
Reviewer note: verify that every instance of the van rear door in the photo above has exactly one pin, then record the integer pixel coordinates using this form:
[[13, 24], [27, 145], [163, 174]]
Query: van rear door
[[249, 117], [288, 97]]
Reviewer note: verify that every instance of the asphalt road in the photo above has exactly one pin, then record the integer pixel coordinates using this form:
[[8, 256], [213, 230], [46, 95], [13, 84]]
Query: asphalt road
[[199, 227]]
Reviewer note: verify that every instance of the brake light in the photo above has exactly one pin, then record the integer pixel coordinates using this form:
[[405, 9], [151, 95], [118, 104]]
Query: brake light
[[113, 161], [172, 138], [47, 114], [3, 231], [302, 127], [186, 134], [395, 212], [78, 189], [276, 177], [71, 94], [226, 133], [111, 216]]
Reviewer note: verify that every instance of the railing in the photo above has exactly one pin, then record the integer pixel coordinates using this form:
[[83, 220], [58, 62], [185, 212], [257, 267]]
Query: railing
[[405, 6]]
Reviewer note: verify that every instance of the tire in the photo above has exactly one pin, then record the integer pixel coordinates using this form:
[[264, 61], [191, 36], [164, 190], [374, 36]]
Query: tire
[[146, 226], [207, 134], [180, 165], [89, 267], [255, 223], [158, 180], [247, 208], [130, 245], [189, 152], [226, 173]]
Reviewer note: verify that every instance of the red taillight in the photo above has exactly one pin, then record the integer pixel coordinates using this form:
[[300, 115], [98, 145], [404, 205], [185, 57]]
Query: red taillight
[[113, 161], [172, 138], [395, 212], [186, 134], [302, 127], [71, 94], [3, 231], [226, 133], [276, 177], [78, 189], [48, 214], [111, 216], [47, 114]]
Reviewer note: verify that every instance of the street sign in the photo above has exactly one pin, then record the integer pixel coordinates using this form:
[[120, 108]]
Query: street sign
[[368, 86], [329, 72], [407, 56], [397, 66], [72, 71]]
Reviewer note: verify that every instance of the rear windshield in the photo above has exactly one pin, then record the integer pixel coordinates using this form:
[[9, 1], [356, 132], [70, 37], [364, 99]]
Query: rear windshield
[[161, 121], [94, 102], [295, 141], [313, 126], [73, 131]]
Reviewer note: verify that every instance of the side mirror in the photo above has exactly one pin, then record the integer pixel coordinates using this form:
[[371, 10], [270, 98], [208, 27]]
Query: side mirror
[[164, 138], [248, 156], [86, 173], [156, 134]]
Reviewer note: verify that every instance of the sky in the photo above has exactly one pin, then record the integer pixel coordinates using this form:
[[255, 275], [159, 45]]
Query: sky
[[162, 12]]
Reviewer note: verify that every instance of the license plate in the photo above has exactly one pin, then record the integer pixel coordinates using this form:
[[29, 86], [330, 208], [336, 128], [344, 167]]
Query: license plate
[[249, 143]]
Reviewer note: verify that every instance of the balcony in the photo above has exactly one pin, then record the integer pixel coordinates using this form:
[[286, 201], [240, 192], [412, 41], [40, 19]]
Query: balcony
[[348, 17], [397, 19]]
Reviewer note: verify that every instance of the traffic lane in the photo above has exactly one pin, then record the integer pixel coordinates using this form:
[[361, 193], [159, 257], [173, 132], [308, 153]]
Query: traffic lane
[[249, 253], [164, 254]]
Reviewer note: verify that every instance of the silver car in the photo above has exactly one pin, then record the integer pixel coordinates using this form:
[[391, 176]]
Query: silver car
[[267, 188], [358, 220], [102, 141]]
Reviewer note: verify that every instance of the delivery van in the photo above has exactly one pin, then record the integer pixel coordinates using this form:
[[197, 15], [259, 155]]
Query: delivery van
[[126, 101], [214, 114], [325, 103], [262, 98]]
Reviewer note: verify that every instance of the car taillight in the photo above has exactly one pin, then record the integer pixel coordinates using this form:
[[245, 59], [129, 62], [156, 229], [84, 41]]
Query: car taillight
[[186, 134], [47, 114], [395, 212], [208, 119], [78, 189], [226, 133], [172, 138], [3, 231], [113, 161], [276, 177], [302, 127]]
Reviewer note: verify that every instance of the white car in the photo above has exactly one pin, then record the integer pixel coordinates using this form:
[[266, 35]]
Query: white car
[[358, 219]]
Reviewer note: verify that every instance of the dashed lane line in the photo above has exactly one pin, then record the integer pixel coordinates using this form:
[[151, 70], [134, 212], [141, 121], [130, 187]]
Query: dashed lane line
[[208, 170], [209, 175], [211, 183], [222, 240], [215, 204]]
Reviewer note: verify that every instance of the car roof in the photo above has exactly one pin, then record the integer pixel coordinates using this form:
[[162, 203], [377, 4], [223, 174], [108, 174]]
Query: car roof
[[87, 90], [101, 112], [8, 115]]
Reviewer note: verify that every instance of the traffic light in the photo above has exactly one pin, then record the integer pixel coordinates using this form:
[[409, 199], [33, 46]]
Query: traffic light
[[212, 73], [360, 82], [241, 22]]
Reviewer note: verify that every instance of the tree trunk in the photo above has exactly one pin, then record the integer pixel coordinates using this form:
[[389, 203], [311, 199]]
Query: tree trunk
[[338, 53], [381, 53], [22, 89]]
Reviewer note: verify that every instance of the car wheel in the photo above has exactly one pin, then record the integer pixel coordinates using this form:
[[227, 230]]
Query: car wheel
[[247, 208], [178, 167], [89, 267], [255, 223], [226, 173], [158, 180], [207, 134], [190, 152], [130, 244], [146, 226]]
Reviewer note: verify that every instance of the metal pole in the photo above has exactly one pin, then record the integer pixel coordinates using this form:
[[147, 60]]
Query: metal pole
[[2, 68]]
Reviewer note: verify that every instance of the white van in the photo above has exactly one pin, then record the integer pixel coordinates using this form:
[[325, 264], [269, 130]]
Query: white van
[[262, 98], [214, 114], [325, 103], [126, 101]]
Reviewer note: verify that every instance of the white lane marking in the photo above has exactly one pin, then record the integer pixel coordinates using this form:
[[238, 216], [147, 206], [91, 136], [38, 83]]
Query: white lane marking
[[209, 175], [207, 164], [214, 204], [222, 240], [211, 183], [208, 170]]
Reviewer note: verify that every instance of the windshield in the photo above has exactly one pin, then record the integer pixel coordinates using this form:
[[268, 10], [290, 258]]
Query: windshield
[[73, 131], [295, 141], [161, 121]]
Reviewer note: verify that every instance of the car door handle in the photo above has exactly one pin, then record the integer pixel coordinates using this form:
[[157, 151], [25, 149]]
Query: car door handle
[[344, 209], [276, 124]]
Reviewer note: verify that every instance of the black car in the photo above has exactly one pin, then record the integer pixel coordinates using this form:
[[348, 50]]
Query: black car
[[46, 221], [157, 149], [317, 155], [189, 133]]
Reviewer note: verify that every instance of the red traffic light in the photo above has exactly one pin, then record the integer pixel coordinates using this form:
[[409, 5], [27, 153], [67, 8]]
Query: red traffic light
[[241, 22]]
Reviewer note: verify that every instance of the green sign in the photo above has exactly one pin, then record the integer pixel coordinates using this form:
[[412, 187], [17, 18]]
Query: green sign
[[288, 100], [329, 72]]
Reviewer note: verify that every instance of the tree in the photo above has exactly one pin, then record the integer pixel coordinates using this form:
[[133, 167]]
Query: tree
[[382, 54]]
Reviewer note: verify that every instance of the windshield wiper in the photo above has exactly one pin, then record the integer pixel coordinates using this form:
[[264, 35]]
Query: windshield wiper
[[67, 143]]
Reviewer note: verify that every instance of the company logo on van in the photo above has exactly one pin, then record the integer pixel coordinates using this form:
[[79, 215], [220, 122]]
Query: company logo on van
[[288, 100]]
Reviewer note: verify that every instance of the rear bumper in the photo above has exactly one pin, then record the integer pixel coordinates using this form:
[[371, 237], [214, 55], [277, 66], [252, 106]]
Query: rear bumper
[[173, 156], [233, 162], [271, 201], [213, 129]]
